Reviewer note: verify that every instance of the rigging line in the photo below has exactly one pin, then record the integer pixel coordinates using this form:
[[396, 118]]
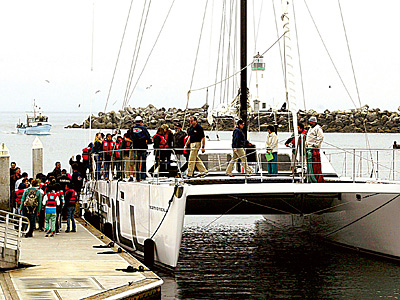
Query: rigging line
[[277, 35], [258, 204], [216, 83], [195, 62], [298, 53], [119, 52], [256, 32], [133, 57], [354, 75], [362, 217], [218, 56], [226, 90], [219, 217], [151, 51], [140, 45], [222, 52], [329, 55]]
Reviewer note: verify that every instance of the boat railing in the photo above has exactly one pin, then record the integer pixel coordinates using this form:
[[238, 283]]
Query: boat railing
[[349, 164]]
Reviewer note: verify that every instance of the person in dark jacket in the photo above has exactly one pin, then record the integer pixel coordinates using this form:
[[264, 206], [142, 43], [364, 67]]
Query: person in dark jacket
[[96, 151], [140, 138], [81, 165], [238, 143], [179, 144]]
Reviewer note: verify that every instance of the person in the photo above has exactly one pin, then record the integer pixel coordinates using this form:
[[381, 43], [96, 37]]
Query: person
[[31, 205], [127, 156], [13, 165], [290, 142], [117, 158], [315, 137], [86, 158], [395, 146], [96, 151], [77, 183], [238, 143], [196, 140], [19, 181], [169, 138], [159, 143], [71, 198], [108, 146], [13, 180], [140, 138], [179, 144], [272, 148], [50, 202], [19, 192], [81, 165], [57, 169]]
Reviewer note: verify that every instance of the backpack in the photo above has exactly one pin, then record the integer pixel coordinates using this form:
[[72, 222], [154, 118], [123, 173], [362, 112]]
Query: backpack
[[31, 202]]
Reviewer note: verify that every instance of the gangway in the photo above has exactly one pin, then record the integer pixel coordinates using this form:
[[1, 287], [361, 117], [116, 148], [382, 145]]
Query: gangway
[[12, 226]]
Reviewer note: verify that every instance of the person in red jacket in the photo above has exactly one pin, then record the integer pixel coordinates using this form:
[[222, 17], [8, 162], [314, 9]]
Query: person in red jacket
[[71, 198], [117, 158], [108, 146]]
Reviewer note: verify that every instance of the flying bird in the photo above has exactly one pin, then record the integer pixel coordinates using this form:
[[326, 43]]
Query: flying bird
[[97, 91], [47, 81], [149, 87]]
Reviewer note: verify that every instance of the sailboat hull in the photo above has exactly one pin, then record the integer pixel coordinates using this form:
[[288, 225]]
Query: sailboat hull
[[358, 215]]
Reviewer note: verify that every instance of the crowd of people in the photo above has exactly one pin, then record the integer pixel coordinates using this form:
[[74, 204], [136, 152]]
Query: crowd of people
[[47, 199], [117, 156]]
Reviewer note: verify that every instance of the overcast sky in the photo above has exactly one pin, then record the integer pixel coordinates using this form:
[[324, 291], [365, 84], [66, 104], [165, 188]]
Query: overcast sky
[[46, 53]]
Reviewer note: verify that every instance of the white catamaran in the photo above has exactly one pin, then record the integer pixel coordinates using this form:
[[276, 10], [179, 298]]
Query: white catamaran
[[350, 209]]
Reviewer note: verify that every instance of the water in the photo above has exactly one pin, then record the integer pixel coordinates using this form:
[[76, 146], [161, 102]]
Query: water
[[239, 257]]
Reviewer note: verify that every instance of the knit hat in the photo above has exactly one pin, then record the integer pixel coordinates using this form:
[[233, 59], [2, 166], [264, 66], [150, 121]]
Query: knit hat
[[313, 119]]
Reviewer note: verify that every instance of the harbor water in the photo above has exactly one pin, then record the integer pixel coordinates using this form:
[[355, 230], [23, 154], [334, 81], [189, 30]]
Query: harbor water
[[239, 257]]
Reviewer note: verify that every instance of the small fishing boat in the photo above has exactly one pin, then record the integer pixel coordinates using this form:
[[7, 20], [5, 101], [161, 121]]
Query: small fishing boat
[[36, 123]]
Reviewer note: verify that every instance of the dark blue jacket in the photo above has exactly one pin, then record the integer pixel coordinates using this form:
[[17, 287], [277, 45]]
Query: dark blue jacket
[[140, 137], [238, 138]]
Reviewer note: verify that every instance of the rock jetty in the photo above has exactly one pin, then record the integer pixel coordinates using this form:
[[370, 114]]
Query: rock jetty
[[354, 120]]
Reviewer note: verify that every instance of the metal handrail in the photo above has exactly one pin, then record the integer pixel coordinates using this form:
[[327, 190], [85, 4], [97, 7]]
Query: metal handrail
[[354, 163], [12, 226]]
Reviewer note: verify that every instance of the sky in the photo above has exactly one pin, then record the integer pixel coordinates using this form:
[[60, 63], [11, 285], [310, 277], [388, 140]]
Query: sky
[[61, 53]]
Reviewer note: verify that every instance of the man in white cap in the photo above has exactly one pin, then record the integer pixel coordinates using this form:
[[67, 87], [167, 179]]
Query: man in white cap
[[140, 138], [315, 137]]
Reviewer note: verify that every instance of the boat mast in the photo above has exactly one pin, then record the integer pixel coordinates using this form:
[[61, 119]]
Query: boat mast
[[243, 64]]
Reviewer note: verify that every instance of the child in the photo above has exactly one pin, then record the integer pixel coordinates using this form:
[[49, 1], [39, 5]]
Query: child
[[50, 201]]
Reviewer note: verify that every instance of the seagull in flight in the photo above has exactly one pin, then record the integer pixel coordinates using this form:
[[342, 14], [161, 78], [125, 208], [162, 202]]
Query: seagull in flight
[[47, 81], [148, 87], [97, 91]]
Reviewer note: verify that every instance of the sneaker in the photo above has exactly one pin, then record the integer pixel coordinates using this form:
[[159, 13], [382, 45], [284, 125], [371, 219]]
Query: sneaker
[[52, 235], [66, 231], [203, 174], [47, 234]]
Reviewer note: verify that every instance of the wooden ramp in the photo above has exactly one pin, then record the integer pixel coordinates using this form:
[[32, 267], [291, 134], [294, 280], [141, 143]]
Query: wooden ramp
[[67, 266]]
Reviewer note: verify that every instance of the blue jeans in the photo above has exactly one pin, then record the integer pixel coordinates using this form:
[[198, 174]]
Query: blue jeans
[[70, 216], [273, 164], [141, 164]]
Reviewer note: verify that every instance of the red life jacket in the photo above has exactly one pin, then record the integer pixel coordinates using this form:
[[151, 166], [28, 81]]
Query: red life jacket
[[128, 144], [18, 195], [166, 139], [74, 196], [85, 153], [51, 200], [60, 193], [108, 146], [41, 185], [117, 152], [163, 142], [304, 132], [184, 143]]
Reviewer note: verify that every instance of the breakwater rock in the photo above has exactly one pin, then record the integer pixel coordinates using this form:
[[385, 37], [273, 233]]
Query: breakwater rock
[[354, 120]]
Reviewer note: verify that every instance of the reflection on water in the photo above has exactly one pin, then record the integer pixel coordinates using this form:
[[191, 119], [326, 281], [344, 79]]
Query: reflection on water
[[230, 260]]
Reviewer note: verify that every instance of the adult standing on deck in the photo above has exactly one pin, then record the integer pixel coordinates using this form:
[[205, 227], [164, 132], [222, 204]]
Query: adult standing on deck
[[196, 140], [57, 169], [140, 138], [272, 148], [238, 143], [31, 205], [179, 144], [315, 137]]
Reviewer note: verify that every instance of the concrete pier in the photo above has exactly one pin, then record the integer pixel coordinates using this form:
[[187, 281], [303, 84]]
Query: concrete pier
[[37, 157], [4, 177], [67, 266]]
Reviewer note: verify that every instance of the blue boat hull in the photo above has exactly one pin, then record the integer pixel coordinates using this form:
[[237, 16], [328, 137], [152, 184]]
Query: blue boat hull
[[40, 129]]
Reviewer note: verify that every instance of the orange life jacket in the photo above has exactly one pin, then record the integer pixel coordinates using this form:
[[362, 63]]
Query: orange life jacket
[[108, 147], [85, 153]]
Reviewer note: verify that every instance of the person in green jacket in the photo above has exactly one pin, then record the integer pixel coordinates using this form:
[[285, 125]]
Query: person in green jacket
[[31, 204]]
